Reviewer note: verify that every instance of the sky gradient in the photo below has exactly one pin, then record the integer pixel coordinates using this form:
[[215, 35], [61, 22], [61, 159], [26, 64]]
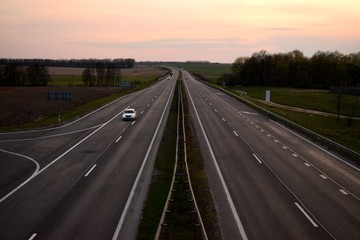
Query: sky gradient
[[160, 30]]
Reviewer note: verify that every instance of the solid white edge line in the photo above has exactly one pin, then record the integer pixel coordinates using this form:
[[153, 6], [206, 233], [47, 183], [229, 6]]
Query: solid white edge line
[[227, 193], [87, 174], [27, 180], [257, 158], [49, 136], [132, 193], [306, 215]]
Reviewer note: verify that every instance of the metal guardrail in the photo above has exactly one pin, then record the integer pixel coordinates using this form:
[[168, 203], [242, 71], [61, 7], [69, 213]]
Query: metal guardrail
[[181, 176]]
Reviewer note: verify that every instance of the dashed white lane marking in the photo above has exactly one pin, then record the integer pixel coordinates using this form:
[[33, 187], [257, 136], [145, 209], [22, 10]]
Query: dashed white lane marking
[[249, 113], [295, 155], [256, 157], [133, 123], [223, 119], [343, 192], [118, 139], [307, 164], [306, 215], [236, 133], [323, 176], [91, 169], [33, 236]]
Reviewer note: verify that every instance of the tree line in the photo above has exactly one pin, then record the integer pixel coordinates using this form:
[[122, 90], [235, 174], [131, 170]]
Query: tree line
[[14, 75], [34, 72], [104, 74], [321, 71], [80, 63]]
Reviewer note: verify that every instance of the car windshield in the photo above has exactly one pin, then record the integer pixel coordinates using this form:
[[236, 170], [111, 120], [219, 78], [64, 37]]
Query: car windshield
[[129, 111]]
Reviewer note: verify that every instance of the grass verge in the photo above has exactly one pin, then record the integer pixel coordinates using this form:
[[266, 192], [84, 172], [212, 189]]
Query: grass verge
[[340, 132], [320, 100]]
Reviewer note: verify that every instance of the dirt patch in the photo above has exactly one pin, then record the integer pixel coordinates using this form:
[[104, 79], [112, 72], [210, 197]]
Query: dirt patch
[[138, 70], [19, 105]]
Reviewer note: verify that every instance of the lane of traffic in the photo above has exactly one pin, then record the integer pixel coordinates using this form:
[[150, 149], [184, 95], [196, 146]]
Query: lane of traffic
[[260, 200], [300, 182]]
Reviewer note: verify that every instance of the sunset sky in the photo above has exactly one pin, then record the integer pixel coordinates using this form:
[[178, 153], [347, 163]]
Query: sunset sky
[[163, 30]]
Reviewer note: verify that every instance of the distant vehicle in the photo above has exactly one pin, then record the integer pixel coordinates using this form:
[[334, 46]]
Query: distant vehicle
[[129, 114]]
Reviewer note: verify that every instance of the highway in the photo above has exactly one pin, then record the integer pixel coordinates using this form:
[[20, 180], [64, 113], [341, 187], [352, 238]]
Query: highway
[[86, 179], [269, 182]]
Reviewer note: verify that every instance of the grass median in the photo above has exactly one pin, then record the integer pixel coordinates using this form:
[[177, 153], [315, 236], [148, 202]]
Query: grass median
[[161, 181]]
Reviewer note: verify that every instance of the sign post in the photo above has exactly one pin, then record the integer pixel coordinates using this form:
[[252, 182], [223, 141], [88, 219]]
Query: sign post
[[267, 96]]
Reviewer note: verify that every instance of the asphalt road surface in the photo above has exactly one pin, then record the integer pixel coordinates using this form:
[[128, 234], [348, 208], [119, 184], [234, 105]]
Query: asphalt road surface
[[269, 182], [87, 179]]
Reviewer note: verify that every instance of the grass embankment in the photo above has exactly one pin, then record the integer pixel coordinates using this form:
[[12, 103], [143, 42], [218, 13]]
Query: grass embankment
[[68, 115], [180, 217], [320, 100], [345, 132]]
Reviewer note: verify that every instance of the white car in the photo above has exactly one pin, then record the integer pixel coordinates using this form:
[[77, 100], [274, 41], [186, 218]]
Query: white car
[[129, 114]]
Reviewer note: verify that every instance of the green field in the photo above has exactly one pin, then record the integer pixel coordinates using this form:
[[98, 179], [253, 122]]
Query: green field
[[66, 80], [320, 100], [63, 76], [209, 70], [346, 131]]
